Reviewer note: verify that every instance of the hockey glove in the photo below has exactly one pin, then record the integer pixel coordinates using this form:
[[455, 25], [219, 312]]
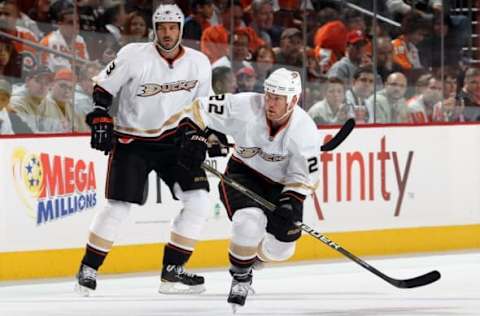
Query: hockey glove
[[217, 143], [101, 125], [289, 207], [192, 145]]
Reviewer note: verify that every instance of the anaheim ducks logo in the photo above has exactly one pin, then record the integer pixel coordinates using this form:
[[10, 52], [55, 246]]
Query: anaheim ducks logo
[[249, 152], [150, 89]]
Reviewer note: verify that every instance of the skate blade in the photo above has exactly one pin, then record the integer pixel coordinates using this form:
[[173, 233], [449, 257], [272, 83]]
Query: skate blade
[[179, 288], [235, 307], [82, 290]]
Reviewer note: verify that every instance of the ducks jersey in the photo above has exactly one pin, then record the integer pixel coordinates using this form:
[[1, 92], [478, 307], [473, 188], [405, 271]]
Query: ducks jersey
[[151, 89], [290, 156]]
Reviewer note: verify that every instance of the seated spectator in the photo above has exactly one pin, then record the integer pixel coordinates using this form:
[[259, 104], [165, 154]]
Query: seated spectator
[[264, 62], [332, 109], [239, 52], [84, 87], [26, 99], [40, 13], [361, 90], [10, 122], [214, 41], [198, 21], [450, 108], [421, 106], [470, 94], [113, 19], [58, 114], [89, 13], [405, 51], [136, 29], [262, 22], [223, 80], [63, 39], [10, 61], [356, 55], [246, 79], [8, 23], [290, 52], [390, 105], [384, 57]]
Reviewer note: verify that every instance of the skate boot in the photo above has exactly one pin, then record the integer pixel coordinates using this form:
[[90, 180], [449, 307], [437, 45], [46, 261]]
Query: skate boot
[[241, 287], [86, 280], [175, 280]]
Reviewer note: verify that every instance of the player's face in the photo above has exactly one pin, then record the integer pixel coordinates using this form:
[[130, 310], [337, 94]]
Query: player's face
[[168, 34], [275, 106]]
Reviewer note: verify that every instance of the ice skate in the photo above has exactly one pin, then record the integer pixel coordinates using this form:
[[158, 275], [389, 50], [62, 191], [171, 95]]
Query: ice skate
[[240, 288], [86, 280], [175, 280]]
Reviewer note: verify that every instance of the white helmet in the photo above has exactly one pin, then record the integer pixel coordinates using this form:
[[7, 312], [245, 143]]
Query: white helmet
[[168, 13], [284, 82]]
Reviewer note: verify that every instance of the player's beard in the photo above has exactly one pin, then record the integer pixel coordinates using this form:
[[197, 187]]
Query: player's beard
[[167, 43]]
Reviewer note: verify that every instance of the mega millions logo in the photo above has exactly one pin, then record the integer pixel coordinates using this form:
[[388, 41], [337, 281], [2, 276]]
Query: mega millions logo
[[53, 186]]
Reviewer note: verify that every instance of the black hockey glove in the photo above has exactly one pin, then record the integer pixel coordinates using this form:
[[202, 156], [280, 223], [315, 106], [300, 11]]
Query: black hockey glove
[[192, 145], [219, 146], [101, 124], [289, 207]]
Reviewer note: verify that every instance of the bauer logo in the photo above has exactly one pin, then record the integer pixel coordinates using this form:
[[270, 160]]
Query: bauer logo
[[53, 186]]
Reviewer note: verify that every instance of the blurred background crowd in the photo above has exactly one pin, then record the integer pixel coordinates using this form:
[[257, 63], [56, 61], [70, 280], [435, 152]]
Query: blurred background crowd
[[392, 61]]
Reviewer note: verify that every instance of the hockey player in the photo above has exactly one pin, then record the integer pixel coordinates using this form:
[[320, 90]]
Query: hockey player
[[153, 81], [277, 148]]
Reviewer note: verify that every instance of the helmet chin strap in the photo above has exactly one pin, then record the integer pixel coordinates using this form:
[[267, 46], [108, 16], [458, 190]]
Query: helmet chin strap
[[163, 49], [287, 113]]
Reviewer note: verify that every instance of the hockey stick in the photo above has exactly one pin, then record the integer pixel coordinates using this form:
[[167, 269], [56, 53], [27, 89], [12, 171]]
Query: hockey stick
[[342, 134], [421, 280]]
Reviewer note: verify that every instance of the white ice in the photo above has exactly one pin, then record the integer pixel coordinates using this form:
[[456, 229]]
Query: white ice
[[340, 288]]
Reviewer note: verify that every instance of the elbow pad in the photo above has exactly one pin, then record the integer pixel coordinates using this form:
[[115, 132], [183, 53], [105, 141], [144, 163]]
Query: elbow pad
[[101, 98]]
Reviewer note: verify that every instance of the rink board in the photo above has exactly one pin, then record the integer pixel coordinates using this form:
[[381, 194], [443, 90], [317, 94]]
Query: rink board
[[386, 190]]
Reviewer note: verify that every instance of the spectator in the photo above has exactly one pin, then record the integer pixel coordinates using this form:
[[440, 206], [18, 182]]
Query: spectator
[[8, 19], [332, 109], [470, 94], [198, 21], [89, 13], [26, 99], [223, 80], [290, 51], [262, 22], [450, 108], [136, 29], [384, 57], [113, 19], [356, 54], [264, 62], [10, 62], [40, 13], [421, 106], [390, 106], [246, 79], [5, 122], [10, 122], [84, 87], [238, 51], [214, 41], [422, 83], [63, 39], [58, 114], [361, 90], [405, 51]]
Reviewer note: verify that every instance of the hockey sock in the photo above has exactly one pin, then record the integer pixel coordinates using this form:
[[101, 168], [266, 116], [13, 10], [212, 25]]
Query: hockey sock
[[93, 257], [241, 263], [175, 255]]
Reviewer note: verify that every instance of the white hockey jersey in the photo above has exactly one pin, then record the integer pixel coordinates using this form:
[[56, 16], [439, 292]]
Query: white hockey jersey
[[290, 157], [151, 90]]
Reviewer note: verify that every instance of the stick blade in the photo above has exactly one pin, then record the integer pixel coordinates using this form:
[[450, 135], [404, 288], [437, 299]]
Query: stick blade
[[421, 280], [342, 134]]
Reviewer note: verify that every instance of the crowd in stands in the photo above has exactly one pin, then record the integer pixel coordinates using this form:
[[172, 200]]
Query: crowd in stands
[[411, 68]]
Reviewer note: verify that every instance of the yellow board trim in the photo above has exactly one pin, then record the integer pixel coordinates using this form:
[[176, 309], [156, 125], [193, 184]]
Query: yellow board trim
[[213, 253]]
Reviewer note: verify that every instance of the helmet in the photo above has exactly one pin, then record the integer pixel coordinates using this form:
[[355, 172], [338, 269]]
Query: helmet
[[168, 13], [284, 82]]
